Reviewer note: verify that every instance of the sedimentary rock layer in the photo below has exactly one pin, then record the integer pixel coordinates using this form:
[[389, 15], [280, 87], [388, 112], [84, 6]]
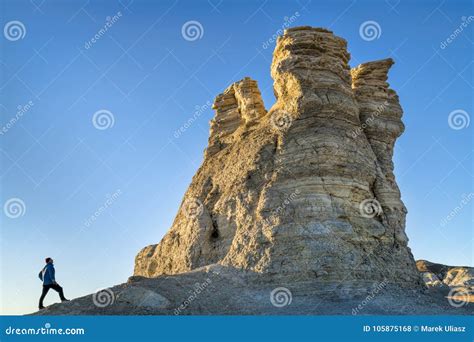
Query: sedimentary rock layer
[[380, 116]]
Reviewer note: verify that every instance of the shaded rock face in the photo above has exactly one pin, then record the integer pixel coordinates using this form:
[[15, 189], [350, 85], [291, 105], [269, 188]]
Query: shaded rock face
[[305, 191], [380, 117]]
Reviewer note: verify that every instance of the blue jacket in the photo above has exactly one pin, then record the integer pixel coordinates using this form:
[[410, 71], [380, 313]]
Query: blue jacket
[[48, 275]]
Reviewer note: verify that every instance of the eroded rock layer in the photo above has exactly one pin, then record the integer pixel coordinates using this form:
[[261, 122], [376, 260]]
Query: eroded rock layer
[[380, 116], [305, 191]]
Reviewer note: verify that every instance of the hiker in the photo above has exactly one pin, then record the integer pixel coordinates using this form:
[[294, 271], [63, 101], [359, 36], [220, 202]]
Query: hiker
[[49, 282]]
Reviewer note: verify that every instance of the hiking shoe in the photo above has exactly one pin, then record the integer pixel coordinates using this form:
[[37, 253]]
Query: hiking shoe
[[41, 307]]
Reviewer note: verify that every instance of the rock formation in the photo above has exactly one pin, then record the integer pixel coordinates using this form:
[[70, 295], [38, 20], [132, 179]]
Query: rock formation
[[457, 281], [305, 191], [240, 105]]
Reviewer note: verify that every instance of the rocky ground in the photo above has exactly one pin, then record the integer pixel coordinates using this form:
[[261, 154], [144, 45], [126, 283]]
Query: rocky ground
[[221, 290]]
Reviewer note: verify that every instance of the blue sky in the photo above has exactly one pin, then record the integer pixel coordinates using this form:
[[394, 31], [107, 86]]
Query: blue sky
[[92, 198]]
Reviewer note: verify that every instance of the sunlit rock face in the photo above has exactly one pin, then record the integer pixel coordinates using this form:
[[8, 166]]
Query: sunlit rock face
[[304, 191]]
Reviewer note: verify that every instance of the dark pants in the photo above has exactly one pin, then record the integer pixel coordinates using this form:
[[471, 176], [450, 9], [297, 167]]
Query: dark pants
[[46, 288]]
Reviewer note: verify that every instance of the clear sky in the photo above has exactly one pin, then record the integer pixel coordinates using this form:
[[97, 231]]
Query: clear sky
[[91, 193]]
